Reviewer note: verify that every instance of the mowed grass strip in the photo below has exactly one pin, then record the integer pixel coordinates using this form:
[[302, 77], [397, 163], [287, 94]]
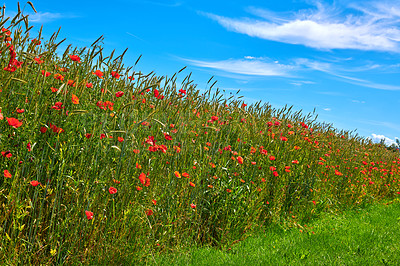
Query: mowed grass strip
[[369, 236]]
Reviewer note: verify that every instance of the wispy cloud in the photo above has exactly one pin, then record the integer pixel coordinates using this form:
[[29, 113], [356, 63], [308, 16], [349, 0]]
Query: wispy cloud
[[247, 66], [325, 27], [332, 69], [42, 17]]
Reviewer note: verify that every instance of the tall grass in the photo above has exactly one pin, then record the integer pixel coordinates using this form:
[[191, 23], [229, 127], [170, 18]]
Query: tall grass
[[104, 163]]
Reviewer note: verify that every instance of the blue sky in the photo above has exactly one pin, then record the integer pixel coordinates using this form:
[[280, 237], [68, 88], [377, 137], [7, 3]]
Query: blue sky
[[340, 57]]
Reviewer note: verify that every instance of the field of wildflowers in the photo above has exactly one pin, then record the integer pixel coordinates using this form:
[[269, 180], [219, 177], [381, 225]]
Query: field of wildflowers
[[103, 163]]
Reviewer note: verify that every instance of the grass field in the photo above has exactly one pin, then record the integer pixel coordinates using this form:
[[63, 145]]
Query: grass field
[[368, 236], [102, 163]]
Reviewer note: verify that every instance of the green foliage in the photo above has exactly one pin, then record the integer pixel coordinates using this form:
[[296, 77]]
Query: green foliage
[[103, 163]]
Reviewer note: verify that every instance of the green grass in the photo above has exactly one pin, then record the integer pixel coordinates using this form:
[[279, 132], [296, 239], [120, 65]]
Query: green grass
[[367, 236]]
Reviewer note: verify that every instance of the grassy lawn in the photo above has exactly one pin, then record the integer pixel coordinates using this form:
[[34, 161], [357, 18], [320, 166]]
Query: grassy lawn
[[358, 237]]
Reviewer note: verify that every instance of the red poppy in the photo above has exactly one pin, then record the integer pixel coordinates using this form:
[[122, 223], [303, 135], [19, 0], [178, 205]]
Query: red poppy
[[99, 74], [272, 158], [167, 136], [89, 215], [142, 178], [149, 212], [29, 146], [177, 174], [89, 85], [35, 183], [46, 74], [13, 122], [185, 175], [6, 154], [75, 58], [112, 190], [88, 136], [240, 159], [228, 190], [71, 83], [102, 136], [115, 74], [59, 77], [43, 129], [192, 184], [295, 162], [119, 94], [131, 78], [38, 60], [154, 201], [75, 99], [120, 139], [275, 173], [193, 206], [7, 174], [58, 106]]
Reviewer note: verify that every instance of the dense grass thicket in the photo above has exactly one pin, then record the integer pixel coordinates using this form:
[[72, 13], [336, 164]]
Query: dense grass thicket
[[103, 163]]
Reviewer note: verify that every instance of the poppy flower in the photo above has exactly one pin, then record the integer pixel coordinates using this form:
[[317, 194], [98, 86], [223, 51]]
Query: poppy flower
[[115, 74], [228, 190], [75, 99], [29, 146], [57, 106], [75, 58], [46, 74], [167, 136], [99, 74], [177, 174], [149, 212], [138, 188], [71, 83], [142, 178], [120, 139], [89, 215], [112, 190], [275, 173], [43, 130], [20, 111], [240, 159], [89, 85], [13, 122], [6, 154], [131, 78], [7, 174], [192, 184], [38, 60], [154, 201], [102, 136], [272, 158], [193, 206], [295, 162], [185, 175], [119, 94], [34, 183], [59, 77]]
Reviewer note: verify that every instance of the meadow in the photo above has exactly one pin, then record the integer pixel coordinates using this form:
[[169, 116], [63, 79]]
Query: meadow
[[102, 163]]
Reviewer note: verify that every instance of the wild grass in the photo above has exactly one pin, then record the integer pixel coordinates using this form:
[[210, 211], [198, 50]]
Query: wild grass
[[103, 163], [366, 236]]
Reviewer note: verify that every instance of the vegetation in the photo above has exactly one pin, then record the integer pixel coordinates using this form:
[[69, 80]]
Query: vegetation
[[103, 163], [355, 237]]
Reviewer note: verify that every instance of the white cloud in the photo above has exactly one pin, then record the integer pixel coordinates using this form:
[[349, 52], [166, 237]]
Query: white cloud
[[377, 138], [325, 27], [327, 109], [253, 67]]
